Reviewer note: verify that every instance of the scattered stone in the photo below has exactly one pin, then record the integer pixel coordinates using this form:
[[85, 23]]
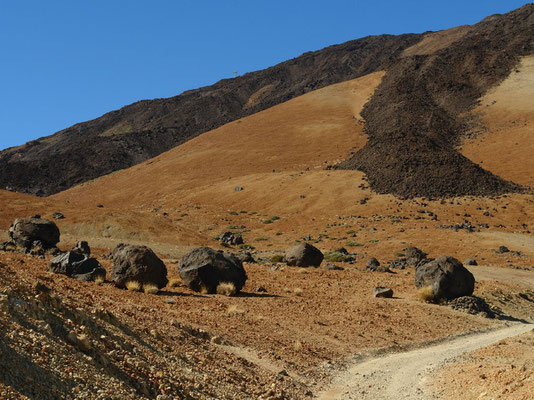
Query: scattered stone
[[304, 255], [230, 238], [468, 226], [472, 305], [246, 256], [82, 247], [447, 277], [414, 256], [77, 266], [204, 268], [238, 188], [342, 250], [373, 263], [333, 267], [470, 261], [260, 289], [137, 263], [58, 215], [380, 291], [503, 249]]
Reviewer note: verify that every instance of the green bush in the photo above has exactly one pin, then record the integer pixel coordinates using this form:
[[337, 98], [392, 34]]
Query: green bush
[[335, 256], [277, 258], [353, 243]]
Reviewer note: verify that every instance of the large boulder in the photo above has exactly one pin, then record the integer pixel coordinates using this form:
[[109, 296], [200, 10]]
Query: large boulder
[[77, 266], [25, 231], [137, 263], [304, 255], [447, 277], [203, 269]]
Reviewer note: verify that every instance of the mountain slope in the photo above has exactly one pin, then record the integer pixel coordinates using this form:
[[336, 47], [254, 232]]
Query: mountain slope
[[421, 111], [143, 130]]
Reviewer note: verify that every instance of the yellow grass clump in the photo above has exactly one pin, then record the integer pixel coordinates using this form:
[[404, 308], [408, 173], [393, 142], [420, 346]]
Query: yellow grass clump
[[226, 289], [150, 288], [134, 286], [298, 291], [99, 279], [426, 293], [234, 310], [175, 282]]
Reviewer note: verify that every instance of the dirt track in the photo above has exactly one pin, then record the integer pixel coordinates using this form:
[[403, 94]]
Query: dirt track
[[404, 375]]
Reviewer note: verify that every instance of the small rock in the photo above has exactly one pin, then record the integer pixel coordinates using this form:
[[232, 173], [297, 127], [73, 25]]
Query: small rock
[[58, 215], [380, 291], [238, 188], [333, 267], [260, 289], [470, 261]]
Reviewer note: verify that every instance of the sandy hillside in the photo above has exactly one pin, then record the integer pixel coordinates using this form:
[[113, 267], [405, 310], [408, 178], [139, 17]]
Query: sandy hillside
[[504, 145]]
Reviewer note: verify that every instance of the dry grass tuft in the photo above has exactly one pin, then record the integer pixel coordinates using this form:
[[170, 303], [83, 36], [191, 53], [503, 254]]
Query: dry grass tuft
[[298, 291], [302, 271], [100, 279], [134, 286], [297, 346], [426, 293], [150, 288], [204, 290], [234, 310], [226, 289], [175, 282]]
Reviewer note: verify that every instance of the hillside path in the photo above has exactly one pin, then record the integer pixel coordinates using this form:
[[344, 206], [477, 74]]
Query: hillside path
[[404, 375]]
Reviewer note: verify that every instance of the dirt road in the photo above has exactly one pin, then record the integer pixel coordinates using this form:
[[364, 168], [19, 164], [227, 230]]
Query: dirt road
[[404, 375]]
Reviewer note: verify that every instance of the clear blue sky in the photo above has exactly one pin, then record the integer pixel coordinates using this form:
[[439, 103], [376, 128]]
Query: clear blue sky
[[64, 62]]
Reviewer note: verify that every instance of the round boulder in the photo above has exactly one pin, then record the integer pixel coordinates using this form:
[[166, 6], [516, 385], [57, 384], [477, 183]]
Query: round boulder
[[25, 231], [447, 276], [204, 269], [304, 255], [137, 263]]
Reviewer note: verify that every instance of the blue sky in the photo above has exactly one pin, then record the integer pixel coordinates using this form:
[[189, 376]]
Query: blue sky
[[69, 61]]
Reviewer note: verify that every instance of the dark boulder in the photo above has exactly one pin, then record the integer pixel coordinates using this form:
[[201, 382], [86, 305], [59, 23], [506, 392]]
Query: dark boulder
[[137, 263], [447, 277], [304, 255], [24, 231], [230, 239], [77, 266], [82, 247], [203, 269]]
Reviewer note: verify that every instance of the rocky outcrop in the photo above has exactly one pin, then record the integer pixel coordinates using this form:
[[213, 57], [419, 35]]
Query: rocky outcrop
[[304, 255], [139, 264], [447, 277], [204, 269]]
